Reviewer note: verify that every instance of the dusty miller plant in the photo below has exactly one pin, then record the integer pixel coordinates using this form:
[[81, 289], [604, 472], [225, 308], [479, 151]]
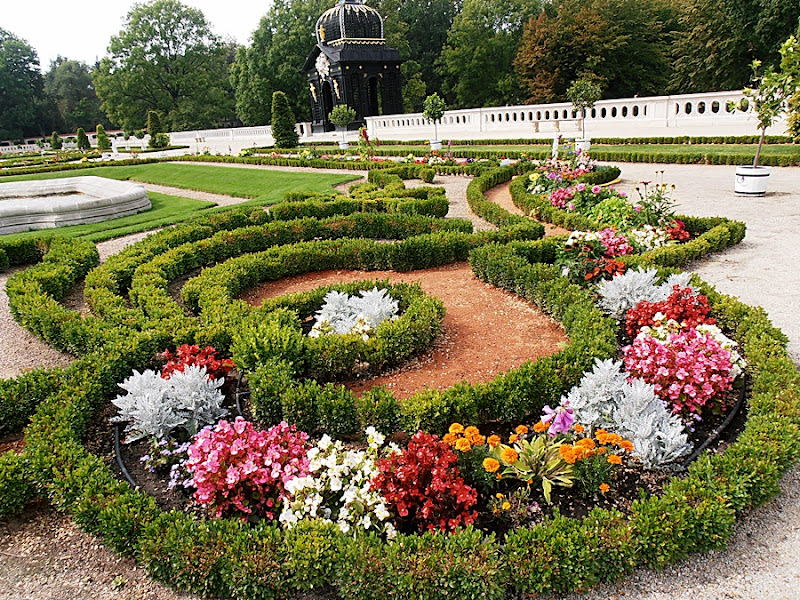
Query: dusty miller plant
[[623, 292], [342, 313], [605, 398], [155, 407]]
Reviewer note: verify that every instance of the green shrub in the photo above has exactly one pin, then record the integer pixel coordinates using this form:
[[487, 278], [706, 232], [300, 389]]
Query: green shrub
[[103, 143], [283, 123], [16, 485]]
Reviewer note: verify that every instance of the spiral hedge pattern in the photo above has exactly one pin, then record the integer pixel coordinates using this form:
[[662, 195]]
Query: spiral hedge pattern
[[134, 317]]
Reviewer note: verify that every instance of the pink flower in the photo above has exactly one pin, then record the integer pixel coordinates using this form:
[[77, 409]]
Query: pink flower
[[562, 418], [596, 189], [580, 187]]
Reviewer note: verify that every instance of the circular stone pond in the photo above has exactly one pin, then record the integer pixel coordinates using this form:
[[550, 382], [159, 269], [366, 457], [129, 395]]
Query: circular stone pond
[[29, 205]]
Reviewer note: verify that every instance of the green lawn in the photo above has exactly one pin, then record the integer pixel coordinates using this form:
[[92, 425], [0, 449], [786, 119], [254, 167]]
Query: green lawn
[[260, 185], [166, 211]]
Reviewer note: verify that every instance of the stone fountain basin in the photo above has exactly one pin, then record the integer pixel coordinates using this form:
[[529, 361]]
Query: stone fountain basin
[[45, 204]]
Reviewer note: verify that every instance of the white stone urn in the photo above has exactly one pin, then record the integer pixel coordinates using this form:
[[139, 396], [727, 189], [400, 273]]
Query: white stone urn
[[344, 145], [751, 181], [583, 145]]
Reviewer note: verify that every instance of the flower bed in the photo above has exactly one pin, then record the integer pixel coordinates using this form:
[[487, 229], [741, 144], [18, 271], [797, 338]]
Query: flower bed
[[228, 558]]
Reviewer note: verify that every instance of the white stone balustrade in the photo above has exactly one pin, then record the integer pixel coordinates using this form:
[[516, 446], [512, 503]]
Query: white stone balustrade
[[657, 116]]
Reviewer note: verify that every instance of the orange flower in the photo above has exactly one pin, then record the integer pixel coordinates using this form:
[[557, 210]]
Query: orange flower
[[506, 505], [601, 450], [540, 427], [602, 436], [513, 438], [586, 443], [463, 445], [521, 429], [477, 440], [509, 455], [456, 428], [471, 431], [615, 439], [493, 440], [450, 439], [578, 428], [567, 452], [491, 465], [626, 445], [604, 487], [614, 459]]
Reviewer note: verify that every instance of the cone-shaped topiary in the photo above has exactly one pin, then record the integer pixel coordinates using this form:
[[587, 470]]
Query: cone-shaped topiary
[[82, 141], [55, 141], [283, 124], [103, 143]]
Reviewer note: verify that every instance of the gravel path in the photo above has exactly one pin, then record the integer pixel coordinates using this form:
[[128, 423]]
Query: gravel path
[[44, 556]]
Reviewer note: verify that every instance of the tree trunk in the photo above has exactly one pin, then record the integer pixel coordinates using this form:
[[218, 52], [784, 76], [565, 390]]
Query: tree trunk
[[758, 150]]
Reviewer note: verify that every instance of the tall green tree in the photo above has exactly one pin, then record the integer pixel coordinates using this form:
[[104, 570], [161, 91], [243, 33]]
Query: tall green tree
[[717, 40], [280, 45], [68, 85], [620, 44], [21, 87], [283, 122], [167, 59], [82, 140], [476, 64]]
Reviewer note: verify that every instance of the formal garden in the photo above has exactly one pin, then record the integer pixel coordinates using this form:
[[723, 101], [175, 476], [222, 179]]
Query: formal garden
[[244, 440]]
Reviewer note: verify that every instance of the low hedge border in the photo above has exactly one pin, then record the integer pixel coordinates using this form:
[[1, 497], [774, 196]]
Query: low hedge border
[[227, 558]]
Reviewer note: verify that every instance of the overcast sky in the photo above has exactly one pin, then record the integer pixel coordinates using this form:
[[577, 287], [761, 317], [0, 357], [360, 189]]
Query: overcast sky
[[81, 29]]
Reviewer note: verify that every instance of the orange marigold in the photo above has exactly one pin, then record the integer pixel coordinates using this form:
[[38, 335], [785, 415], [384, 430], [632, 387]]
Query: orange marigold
[[614, 459], [578, 428], [456, 428], [471, 430], [509, 455], [513, 438], [521, 429], [491, 465], [604, 487], [567, 452], [626, 445], [540, 427], [477, 440], [463, 445], [493, 440], [615, 439], [450, 438], [586, 443]]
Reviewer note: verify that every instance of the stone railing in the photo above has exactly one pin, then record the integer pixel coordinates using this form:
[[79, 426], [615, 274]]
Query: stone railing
[[668, 116]]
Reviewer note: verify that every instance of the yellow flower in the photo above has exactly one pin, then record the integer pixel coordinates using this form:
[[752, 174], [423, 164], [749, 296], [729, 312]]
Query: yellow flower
[[540, 427], [506, 505], [456, 428], [463, 445], [491, 465], [604, 487], [509, 456], [614, 459], [493, 440], [521, 429]]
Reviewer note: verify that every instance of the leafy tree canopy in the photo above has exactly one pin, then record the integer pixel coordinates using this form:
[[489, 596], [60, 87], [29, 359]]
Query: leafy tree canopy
[[167, 59], [476, 63], [69, 86], [620, 44], [20, 86]]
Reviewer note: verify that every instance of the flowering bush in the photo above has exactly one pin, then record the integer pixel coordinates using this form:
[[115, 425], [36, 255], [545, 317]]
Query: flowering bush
[[676, 229], [423, 487], [589, 255], [683, 306], [561, 196], [648, 237], [689, 369], [237, 469], [594, 458], [338, 488], [192, 355]]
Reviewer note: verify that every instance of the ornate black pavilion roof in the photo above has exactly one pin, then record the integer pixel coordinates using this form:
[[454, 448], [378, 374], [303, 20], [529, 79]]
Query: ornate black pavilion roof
[[350, 22]]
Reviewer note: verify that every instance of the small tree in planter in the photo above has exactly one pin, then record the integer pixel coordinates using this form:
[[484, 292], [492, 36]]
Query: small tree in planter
[[283, 125], [341, 116], [583, 93], [769, 98], [433, 110], [103, 141]]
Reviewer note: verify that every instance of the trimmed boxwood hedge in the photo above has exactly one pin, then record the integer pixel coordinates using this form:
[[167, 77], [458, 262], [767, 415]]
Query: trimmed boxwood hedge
[[229, 558]]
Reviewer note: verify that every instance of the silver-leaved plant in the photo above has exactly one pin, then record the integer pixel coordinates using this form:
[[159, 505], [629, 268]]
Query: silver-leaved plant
[[155, 407], [623, 292], [605, 398], [342, 313]]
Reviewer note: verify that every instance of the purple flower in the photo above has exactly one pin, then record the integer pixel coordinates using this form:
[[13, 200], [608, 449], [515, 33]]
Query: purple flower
[[562, 419]]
